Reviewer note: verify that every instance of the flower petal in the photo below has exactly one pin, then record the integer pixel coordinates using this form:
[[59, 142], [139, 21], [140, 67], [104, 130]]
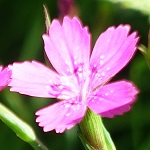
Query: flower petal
[[61, 116], [67, 45], [5, 75], [113, 99], [112, 51], [33, 78]]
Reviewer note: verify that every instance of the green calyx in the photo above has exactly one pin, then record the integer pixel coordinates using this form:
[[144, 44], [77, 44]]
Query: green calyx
[[93, 134]]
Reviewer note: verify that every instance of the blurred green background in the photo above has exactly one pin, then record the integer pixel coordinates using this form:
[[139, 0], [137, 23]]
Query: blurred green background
[[21, 28]]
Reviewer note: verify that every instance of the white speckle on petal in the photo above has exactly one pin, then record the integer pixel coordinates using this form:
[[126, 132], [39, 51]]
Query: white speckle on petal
[[68, 63], [77, 47], [50, 81], [98, 71], [75, 108], [102, 56], [111, 91], [61, 87], [47, 87], [75, 62], [69, 70], [101, 62], [74, 57], [67, 105], [67, 114], [98, 75], [108, 68], [95, 98], [79, 69], [79, 61], [106, 94], [103, 73]]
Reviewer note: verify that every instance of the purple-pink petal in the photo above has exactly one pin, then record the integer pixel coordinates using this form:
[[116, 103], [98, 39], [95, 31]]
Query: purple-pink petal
[[61, 115], [34, 79], [5, 75], [113, 99], [113, 50], [67, 45]]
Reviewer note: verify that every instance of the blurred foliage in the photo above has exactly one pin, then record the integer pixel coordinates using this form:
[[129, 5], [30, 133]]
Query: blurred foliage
[[143, 6], [21, 28]]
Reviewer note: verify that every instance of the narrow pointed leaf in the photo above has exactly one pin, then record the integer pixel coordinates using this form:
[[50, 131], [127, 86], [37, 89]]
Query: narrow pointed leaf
[[47, 18], [21, 128]]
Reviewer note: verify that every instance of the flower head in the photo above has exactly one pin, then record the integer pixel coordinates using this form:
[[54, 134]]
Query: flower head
[[5, 75], [80, 79]]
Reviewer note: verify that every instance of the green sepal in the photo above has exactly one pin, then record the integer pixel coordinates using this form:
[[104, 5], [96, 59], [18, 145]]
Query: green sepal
[[93, 134]]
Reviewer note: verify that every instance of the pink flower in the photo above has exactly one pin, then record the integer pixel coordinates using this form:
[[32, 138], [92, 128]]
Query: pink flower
[[5, 75], [80, 79]]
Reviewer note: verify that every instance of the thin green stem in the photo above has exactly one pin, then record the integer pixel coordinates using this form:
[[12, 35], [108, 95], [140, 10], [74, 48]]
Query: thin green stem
[[38, 145]]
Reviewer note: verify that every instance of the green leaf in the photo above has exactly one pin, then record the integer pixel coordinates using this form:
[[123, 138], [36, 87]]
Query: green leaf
[[21, 128], [140, 5]]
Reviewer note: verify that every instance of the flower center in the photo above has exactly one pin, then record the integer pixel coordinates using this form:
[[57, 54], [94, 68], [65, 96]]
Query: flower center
[[82, 75]]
